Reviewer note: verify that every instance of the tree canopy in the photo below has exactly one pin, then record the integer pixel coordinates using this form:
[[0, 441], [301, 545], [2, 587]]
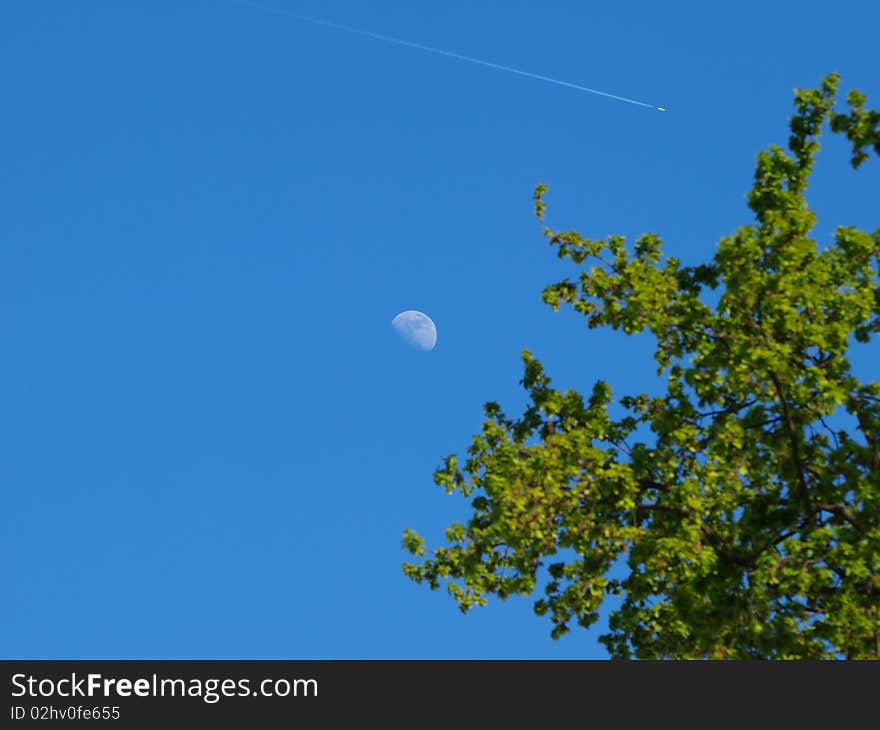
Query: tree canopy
[[734, 517]]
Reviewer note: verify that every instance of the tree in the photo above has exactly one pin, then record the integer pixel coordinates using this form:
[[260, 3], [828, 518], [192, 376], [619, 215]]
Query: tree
[[745, 524]]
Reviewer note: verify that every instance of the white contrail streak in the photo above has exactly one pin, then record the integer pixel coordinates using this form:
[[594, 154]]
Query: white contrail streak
[[440, 52]]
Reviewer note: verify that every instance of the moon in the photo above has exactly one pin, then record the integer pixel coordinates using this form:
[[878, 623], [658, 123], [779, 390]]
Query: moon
[[416, 329]]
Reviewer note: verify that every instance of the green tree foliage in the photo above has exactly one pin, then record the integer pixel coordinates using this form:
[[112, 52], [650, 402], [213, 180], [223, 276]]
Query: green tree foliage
[[749, 527]]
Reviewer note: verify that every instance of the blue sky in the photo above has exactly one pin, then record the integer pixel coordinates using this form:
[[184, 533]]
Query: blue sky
[[210, 438]]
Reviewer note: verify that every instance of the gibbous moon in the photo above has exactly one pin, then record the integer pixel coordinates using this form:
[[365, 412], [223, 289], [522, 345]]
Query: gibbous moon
[[416, 329]]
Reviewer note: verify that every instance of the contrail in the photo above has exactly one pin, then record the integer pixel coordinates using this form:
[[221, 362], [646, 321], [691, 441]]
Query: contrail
[[440, 52]]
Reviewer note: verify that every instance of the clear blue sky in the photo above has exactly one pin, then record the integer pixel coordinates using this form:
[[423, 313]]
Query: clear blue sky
[[210, 438]]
